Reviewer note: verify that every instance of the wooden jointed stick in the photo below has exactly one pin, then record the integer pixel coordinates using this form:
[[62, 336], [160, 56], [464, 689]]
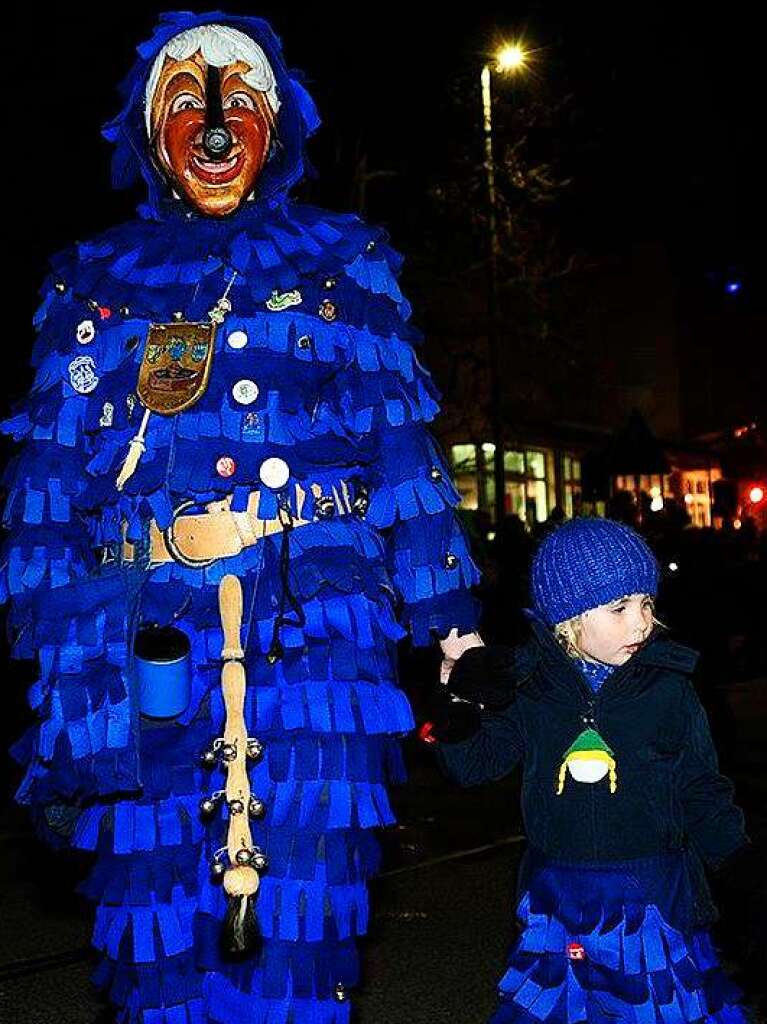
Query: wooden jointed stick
[[239, 880]]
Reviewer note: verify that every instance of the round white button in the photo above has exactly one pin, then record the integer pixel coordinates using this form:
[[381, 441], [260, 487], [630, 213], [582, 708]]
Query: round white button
[[245, 391], [274, 473], [237, 339], [86, 332]]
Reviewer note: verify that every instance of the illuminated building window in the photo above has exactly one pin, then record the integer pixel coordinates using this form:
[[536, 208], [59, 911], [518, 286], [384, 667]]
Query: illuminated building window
[[528, 484], [465, 474], [571, 485]]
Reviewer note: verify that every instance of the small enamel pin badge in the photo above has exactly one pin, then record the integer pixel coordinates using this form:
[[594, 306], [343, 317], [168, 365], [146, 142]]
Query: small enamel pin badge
[[82, 375], [278, 301]]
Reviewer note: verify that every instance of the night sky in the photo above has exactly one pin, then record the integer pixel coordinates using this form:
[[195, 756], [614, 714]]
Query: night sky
[[662, 138]]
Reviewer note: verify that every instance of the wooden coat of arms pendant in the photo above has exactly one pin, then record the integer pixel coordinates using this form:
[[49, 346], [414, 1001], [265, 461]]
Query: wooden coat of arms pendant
[[175, 367]]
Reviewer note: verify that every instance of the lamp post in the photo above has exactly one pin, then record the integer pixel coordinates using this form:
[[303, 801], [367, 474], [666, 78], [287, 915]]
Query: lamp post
[[509, 60]]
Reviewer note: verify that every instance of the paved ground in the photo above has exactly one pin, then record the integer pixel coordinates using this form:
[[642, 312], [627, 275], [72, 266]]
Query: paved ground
[[441, 921]]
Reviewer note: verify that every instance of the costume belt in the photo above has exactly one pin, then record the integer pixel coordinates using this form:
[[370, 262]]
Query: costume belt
[[197, 539]]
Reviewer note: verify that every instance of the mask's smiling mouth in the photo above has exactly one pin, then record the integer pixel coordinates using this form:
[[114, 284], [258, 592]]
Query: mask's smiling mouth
[[217, 172]]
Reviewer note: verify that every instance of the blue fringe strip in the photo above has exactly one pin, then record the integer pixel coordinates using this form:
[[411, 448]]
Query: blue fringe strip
[[146, 934], [170, 992], [298, 911], [282, 971], [637, 966], [226, 1005]]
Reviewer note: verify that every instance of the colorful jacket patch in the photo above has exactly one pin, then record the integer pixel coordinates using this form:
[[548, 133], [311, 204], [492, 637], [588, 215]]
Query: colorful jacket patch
[[588, 759]]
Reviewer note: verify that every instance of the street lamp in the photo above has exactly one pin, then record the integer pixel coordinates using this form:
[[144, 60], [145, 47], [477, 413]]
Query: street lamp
[[510, 59]]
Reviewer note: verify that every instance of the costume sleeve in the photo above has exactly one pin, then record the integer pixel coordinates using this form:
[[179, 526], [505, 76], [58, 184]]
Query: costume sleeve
[[66, 610], [713, 823], [386, 394], [488, 755]]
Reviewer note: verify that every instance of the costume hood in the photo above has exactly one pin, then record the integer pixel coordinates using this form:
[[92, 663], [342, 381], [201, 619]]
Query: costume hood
[[297, 119]]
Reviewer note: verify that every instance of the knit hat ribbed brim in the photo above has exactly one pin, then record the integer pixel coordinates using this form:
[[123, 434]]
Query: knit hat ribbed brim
[[588, 562]]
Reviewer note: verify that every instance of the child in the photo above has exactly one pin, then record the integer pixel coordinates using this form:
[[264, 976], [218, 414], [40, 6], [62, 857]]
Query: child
[[621, 797]]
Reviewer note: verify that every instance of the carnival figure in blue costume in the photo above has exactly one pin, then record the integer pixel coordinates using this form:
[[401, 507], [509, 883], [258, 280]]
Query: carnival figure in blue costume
[[226, 512], [621, 796]]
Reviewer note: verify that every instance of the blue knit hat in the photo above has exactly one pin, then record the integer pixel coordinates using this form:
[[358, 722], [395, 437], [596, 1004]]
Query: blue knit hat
[[588, 562]]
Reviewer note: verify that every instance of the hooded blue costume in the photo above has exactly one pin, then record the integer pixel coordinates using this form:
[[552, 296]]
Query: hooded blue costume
[[341, 399]]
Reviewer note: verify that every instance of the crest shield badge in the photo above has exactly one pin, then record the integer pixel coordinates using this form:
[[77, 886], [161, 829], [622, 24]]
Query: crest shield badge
[[175, 367]]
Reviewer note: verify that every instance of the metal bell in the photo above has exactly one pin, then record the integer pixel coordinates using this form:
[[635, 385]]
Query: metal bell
[[451, 560], [236, 806], [339, 993], [228, 752], [209, 804], [436, 474], [255, 748], [259, 860], [243, 857], [256, 807], [209, 758], [218, 869]]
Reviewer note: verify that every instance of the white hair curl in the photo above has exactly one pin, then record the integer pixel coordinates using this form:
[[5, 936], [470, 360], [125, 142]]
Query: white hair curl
[[220, 46]]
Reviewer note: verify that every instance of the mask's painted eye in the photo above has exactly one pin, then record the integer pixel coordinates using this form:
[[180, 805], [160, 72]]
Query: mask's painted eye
[[186, 101], [241, 100]]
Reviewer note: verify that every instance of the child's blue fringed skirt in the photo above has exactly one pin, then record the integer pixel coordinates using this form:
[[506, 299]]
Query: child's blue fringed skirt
[[613, 944]]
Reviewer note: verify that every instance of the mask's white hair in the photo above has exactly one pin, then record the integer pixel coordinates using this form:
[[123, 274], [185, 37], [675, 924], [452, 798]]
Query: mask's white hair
[[220, 46]]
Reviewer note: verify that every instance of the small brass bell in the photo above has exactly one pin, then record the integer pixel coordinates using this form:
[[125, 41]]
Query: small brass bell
[[243, 857], [218, 869], [209, 758], [259, 860], [339, 993], [207, 806], [236, 807], [255, 748], [228, 752], [436, 474], [257, 807]]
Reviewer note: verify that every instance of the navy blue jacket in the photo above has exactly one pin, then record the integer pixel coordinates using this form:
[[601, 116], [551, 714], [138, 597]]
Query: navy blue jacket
[[669, 794]]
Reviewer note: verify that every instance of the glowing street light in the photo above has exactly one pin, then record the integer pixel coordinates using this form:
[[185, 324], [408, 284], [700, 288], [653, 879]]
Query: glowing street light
[[510, 59], [755, 495]]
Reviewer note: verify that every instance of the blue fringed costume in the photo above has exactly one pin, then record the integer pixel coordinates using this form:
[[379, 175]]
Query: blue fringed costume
[[319, 326]]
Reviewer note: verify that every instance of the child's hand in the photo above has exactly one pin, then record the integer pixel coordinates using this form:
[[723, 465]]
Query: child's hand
[[484, 677]]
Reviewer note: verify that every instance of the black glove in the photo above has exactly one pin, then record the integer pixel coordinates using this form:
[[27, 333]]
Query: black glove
[[741, 891], [484, 676], [449, 721]]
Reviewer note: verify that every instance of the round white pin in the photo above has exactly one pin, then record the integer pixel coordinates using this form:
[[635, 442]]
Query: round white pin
[[85, 332], [245, 391], [274, 473], [237, 339]]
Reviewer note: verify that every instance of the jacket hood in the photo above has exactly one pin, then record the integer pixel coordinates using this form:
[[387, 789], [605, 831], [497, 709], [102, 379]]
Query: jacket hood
[[297, 119]]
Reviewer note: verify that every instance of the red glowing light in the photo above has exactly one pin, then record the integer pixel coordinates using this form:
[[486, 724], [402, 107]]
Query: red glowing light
[[755, 495]]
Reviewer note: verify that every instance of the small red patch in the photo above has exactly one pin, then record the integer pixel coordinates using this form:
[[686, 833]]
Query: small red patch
[[425, 733], [105, 312], [575, 951]]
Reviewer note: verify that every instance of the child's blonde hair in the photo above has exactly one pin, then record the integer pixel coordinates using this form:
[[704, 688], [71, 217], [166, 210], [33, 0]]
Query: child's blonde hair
[[568, 633]]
